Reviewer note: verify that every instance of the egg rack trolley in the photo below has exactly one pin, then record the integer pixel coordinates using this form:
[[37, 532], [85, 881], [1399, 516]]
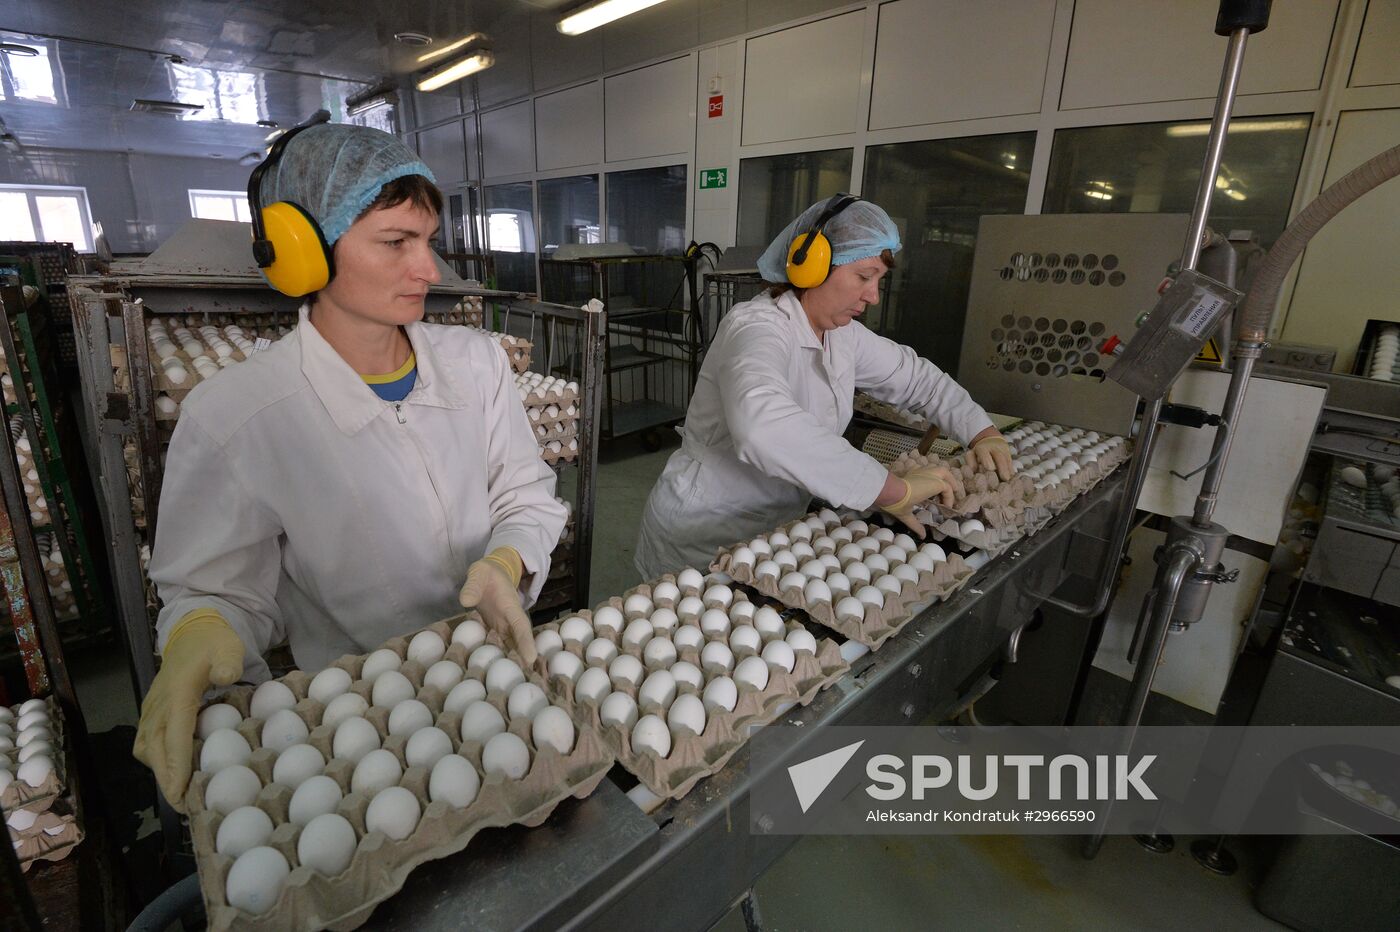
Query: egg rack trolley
[[654, 336], [112, 313]]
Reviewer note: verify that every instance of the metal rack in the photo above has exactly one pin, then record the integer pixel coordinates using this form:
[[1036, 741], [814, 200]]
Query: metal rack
[[111, 313], [654, 335]]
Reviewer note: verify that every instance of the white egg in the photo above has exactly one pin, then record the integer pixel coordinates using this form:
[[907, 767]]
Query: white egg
[[34, 746], [816, 591], [454, 781], [664, 621], [231, 788], [525, 701], [714, 623], [718, 596], [353, 739], [471, 634], [378, 663], [778, 654], [857, 573], [895, 555], [688, 676], [619, 710], [761, 548], [802, 552], [482, 658], [658, 691], [219, 715], [268, 698], [329, 683], [593, 685], [768, 623], [481, 721], [768, 569], [889, 584], [659, 652], [813, 569], [690, 608], [745, 640], [934, 552], [506, 755], [600, 652], [868, 545], [316, 796], [801, 641], [686, 715], [446, 674], [716, 659], [394, 811], [883, 534], [576, 630], [625, 671], [552, 727], [283, 729], [688, 636], [823, 544], [376, 770], [256, 878], [690, 580], [792, 581], [636, 605], [390, 688], [327, 844], [876, 564], [297, 764], [426, 648], [779, 539], [650, 734], [349, 705], [503, 675], [828, 517], [857, 526], [637, 633], [842, 535], [800, 531], [851, 609], [409, 716], [905, 543], [223, 748], [665, 593], [1354, 476], [243, 828], [427, 747], [906, 573], [742, 557], [742, 612], [548, 643], [752, 672]]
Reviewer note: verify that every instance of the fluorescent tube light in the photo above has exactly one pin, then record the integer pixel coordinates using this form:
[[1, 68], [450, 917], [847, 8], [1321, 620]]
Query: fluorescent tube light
[[479, 60], [600, 13], [450, 47], [1258, 126]]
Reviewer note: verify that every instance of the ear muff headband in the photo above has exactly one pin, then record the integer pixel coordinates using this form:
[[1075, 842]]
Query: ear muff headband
[[288, 244], [809, 256]]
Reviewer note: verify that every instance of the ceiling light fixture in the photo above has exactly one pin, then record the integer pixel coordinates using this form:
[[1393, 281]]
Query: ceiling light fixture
[[175, 107], [1257, 126], [413, 39], [479, 60], [14, 48], [270, 124], [1234, 195], [383, 95], [450, 47], [600, 13]]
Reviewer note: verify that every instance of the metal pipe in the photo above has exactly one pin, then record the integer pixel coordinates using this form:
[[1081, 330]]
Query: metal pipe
[[1244, 354], [1176, 568], [1215, 146]]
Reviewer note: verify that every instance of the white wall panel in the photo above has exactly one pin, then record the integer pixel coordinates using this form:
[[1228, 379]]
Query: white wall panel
[[927, 70], [507, 140], [1349, 273], [569, 127], [804, 81], [665, 29], [651, 111], [444, 150], [1140, 51], [558, 59], [1378, 54], [715, 141]]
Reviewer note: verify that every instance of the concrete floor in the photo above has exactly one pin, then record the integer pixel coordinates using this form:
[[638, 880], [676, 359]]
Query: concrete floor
[[1004, 882]]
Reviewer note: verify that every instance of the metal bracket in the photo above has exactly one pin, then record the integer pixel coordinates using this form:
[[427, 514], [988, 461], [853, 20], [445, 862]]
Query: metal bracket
[[1217, 574]]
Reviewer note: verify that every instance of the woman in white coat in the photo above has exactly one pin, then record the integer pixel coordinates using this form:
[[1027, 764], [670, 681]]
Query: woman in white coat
[[763, 434], [336, 489]]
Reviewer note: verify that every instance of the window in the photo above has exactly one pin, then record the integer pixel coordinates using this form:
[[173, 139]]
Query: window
[[510, 234], [28, 77], [219, 205], [646, 209], [775, 189], [235, 96], [569, 212], [1156, 167], [936, 191], [46, 214]]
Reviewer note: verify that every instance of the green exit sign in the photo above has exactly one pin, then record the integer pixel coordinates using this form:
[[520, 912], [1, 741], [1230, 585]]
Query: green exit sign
[[714, 178]]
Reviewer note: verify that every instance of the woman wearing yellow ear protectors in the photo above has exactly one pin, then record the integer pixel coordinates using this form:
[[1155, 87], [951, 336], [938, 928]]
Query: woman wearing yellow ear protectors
[[763, 434], [366, 475]]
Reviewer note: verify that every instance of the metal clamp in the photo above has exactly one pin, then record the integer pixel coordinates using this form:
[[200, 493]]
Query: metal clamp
[[1218, 574]]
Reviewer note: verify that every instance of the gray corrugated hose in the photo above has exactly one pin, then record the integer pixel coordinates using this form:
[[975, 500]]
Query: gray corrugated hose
[[1259, 304]]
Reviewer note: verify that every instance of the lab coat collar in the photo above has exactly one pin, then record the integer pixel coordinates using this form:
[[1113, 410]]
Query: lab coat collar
[[351, 403], [806, 336]]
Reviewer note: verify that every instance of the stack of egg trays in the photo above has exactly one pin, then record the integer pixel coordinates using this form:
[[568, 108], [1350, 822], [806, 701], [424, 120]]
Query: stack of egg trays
[[540, 399], [312, 900], [51, 828], [517, 349], [879, 624], [693, 757]]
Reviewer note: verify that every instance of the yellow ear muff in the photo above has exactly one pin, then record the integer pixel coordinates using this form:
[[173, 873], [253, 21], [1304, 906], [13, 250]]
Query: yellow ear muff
[[303, 261], [814, 267]]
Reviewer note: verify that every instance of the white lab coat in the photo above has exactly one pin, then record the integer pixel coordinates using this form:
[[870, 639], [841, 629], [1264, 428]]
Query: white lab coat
[[299, 504], [763, 433]]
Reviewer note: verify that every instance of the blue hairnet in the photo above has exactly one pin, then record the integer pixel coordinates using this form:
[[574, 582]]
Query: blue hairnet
[[860, 231], [334, 171]]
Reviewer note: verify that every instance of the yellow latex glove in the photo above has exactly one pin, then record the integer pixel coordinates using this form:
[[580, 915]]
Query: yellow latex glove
[[202, 651], [493, 589], [920, 485], [992, 452]]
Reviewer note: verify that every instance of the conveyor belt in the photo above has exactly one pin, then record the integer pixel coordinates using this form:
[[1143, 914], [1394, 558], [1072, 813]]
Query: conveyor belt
[[601, 863]]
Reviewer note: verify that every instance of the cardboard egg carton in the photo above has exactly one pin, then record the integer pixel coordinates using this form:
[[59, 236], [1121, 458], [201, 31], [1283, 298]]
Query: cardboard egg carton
[[562, 431], [549, 415], [884, 411], [517, 349], [695, 757], [312, 900], [35, 799], [536, 396], [567, 452], [51, 838]]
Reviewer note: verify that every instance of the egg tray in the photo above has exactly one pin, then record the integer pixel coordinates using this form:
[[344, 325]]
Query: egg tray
[[20, 795], [565, 455], [544, 420], [51, 838], [161, 380], [695, 757], [534, 399], [312, 900], [517, 349]]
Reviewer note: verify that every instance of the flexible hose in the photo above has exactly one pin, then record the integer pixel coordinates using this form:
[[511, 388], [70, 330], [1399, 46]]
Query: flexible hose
[[1259, 304]]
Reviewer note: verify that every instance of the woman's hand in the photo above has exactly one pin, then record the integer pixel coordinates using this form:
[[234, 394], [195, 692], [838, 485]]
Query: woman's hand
[[991, 452], [493, 589], [902, 494]]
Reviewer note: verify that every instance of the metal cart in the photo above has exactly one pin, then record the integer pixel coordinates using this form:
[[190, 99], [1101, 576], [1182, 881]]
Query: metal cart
[[654, 336]]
